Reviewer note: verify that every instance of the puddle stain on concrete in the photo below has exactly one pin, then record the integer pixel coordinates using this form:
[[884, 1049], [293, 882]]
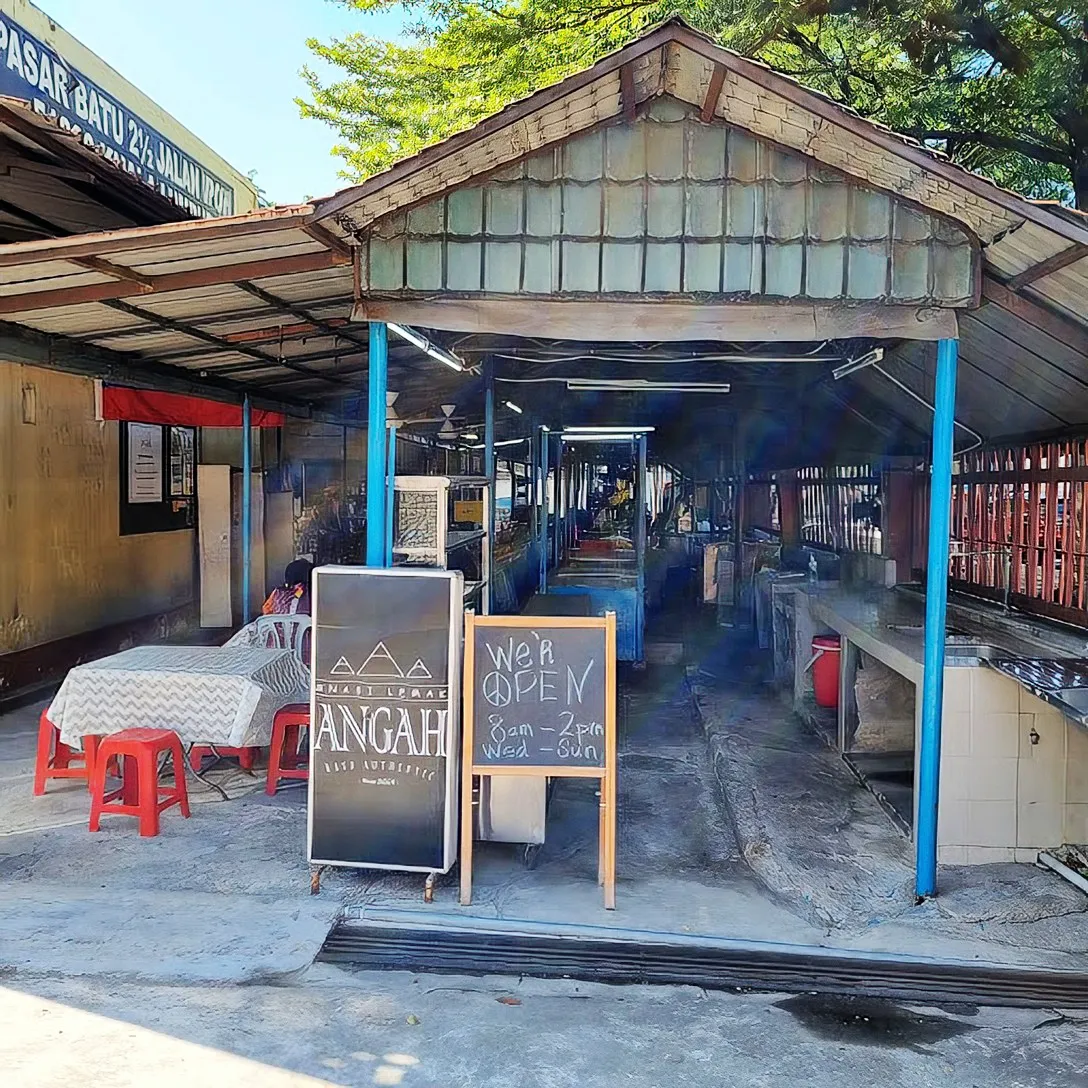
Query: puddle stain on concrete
[[871, 1022]]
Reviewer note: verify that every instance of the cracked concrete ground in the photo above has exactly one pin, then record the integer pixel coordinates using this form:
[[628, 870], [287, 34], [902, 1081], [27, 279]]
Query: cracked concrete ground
[[820, 842], [335, 1027]]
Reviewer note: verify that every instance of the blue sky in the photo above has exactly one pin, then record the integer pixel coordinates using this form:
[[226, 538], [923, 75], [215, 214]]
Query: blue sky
[[228, 71]]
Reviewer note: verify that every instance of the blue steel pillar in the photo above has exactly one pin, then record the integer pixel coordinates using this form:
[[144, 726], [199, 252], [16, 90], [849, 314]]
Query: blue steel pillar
[[543, 523], [375, 445], [557, 491], [491, 474], [390, 489], [940, 502], [247, 506], [640, 542]]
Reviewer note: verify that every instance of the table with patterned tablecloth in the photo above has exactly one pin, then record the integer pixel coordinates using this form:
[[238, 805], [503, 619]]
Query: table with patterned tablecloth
[[205, 694]]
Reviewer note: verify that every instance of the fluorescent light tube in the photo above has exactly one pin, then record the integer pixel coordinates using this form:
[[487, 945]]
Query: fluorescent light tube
[[512, 406], [405, 332]]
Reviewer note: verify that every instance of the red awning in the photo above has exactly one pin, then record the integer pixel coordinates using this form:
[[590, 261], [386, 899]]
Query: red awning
[[142, 406]]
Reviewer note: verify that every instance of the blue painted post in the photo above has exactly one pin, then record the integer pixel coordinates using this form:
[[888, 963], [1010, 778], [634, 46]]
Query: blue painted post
[[557, 491], [640, 545], [247, 505], [543, 510], [940, 503], [492, 476], [390, 487], [378, 360]]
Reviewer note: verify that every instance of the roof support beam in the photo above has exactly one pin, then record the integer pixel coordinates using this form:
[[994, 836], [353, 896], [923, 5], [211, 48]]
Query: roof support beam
[[106, 268], [33, 348], [127, 240], [174, 281], [713, 93], [1069, 255], [1053, 324], [199, 334], [302, 314], [627, 92]]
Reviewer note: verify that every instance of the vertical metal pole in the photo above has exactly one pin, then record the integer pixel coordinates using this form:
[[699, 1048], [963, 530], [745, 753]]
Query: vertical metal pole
[[247, 505], [557, 492], [378, 359], [492, 475], [390, 488], [940, 503], [640, 545], [543, 511]]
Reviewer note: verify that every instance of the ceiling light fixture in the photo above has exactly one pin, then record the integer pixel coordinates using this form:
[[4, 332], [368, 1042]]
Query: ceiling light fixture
[[512, 406], [852, 366], [606, 429], [406, 332], [642, 385], [504, 442]]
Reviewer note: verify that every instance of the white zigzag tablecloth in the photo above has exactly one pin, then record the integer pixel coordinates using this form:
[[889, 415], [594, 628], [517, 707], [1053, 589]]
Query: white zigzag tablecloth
[[205, 694]]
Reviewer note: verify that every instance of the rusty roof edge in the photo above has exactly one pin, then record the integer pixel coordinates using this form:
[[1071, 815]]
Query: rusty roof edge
[[280, 217], [675, 29], [46, 132]]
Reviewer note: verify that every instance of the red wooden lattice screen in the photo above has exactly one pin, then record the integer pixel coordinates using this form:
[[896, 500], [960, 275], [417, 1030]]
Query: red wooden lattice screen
[[1020, 516]]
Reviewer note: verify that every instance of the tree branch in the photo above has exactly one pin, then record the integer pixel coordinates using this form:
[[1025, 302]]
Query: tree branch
[[1041, 152]]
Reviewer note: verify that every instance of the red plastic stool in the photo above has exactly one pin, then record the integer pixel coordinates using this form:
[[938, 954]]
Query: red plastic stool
[[283, 753], [55, 759], [246, 756], [140, 792]]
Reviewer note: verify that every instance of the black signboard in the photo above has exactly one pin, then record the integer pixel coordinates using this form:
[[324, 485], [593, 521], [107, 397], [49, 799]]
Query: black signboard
[[384, 717], [539, 696]]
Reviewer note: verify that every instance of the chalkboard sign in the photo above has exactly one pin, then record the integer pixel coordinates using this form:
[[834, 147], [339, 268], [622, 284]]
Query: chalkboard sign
[[539, 695], [540, 700], [384, 717]]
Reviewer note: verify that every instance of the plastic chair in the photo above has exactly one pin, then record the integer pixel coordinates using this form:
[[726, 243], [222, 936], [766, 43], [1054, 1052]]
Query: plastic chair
[[290, 632], [283, 755], [56, 760], [140, 793]]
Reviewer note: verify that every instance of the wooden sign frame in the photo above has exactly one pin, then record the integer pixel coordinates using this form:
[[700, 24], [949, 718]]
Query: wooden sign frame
[[606, 774]]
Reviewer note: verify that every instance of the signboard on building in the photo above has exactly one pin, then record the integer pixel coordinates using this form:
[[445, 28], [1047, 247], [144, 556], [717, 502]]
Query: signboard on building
[[384, 718], [54, 84]]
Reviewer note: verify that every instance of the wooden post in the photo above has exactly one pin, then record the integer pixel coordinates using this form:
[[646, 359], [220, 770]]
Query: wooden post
[[466, 761]]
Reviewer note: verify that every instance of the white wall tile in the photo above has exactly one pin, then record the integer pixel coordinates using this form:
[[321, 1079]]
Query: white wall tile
[[991, 823], [955, 734], [952, 822], [989, 855], [1040, 824], [1076, 823], [952, 855], [995, 733], [992, 779]]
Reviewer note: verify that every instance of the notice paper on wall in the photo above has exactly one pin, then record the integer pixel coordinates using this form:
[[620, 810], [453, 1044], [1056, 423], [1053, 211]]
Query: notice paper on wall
[[144, 462]]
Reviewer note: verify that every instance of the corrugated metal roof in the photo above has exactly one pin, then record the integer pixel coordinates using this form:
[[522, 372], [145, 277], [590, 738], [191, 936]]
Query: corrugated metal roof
[[261, 303]]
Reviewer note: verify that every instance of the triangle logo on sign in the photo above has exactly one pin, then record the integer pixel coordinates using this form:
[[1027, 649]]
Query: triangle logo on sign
[[342, 668], [381, 663], [418, 671]]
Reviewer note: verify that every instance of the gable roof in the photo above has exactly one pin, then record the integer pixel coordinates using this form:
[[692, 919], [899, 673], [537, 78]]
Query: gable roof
[[1023, 241]]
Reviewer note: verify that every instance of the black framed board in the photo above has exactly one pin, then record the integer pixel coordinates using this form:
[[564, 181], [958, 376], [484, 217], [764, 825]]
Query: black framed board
[[384, 718], [540, 700]]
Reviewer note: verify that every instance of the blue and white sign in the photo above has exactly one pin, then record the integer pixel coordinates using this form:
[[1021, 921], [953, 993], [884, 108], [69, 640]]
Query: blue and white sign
[[31, 70]]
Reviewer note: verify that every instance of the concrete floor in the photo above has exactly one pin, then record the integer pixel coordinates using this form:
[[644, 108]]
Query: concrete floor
[[333, 1027], [189, 957]]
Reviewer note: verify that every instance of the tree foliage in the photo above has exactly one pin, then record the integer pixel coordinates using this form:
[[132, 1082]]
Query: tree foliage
[[1000, 85]]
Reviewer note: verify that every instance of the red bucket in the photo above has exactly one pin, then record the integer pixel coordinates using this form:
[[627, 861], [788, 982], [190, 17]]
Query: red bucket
[[826, 652]]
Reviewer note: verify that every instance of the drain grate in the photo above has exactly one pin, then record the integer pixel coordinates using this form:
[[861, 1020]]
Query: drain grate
[[712, 967]]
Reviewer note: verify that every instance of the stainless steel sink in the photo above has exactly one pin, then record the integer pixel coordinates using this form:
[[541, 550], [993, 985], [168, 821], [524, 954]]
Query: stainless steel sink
[[970, 650]]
